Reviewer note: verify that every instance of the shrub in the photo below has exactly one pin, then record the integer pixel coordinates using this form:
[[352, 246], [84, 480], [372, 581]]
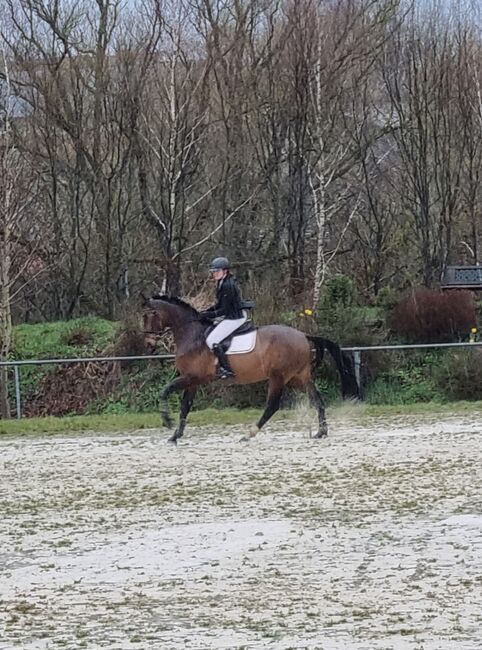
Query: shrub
[[408, 377], [338, 317], [387, 299], [68, 389], [459, 375], [433, 316], [339, 291], [78, 337], [129, 343]]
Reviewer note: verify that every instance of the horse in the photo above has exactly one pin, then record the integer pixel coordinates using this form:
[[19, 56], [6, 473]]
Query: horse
[[282, 356]]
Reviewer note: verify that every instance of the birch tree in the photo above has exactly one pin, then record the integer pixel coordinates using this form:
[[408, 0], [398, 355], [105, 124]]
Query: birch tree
[[346, 41]]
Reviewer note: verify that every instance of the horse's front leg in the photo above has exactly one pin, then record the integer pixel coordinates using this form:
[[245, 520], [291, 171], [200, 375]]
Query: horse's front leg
[[186, 404], [180, 383]]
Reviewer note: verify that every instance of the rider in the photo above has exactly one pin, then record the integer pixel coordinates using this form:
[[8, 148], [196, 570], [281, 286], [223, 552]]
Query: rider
[[227, 308]]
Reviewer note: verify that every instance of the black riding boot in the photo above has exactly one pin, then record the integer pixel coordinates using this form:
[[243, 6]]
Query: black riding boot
[[225, 370]]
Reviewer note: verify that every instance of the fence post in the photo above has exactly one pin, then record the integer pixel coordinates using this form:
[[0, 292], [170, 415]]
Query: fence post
[[357, 363], [17, 392]]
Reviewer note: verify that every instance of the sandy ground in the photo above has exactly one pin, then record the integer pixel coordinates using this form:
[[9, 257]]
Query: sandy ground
[[371, 539]]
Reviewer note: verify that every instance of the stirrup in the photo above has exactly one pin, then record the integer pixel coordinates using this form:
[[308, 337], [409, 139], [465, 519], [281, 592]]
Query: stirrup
[[224, 373]]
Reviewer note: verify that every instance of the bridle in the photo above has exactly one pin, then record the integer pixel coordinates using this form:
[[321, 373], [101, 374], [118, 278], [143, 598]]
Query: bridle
[[166, 329], [152, 332]]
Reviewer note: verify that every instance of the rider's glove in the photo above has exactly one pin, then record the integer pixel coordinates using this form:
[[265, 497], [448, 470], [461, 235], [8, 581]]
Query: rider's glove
[[207, 315]]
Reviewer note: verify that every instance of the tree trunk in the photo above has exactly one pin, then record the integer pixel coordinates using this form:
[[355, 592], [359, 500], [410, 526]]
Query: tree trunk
[[320, 216], [5, 320]]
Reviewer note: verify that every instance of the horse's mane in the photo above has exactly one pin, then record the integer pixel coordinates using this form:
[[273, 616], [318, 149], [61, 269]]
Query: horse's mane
[[174, 300]]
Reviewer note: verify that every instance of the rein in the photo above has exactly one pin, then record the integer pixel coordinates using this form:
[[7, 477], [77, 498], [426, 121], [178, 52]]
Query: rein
[[166, 329], [187, 321]]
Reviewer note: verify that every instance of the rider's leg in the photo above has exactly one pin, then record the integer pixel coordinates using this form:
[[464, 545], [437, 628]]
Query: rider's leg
[[225, 370], [222, 330], [218, 334]]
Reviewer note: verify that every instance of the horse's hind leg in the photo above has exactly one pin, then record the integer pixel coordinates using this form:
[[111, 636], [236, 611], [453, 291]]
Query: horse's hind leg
[[275, 391], [317, 401], [186, 404]]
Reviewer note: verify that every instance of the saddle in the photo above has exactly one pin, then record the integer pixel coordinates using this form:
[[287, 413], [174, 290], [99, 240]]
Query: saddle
[[241, 341]]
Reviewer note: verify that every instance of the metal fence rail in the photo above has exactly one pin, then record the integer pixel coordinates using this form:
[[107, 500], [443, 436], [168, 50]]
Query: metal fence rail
[[355, 351], [17, 364]]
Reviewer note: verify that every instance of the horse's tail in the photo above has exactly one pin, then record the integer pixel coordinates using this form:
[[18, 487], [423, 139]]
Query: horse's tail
[[344, 363]]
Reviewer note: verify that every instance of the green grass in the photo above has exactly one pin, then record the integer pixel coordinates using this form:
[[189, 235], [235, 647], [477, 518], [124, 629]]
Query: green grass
[[51, 340], [122, 422], [228, 416], [58, 340]]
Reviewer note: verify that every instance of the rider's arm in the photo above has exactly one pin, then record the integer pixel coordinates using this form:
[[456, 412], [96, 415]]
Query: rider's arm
[[211, 312], [224, 305]]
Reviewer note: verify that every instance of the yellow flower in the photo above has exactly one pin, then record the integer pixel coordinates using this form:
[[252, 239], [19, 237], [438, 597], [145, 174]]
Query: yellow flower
[[309, 312]]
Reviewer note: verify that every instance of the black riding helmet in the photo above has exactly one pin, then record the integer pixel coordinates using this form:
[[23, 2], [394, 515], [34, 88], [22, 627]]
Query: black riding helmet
[[219, 263]]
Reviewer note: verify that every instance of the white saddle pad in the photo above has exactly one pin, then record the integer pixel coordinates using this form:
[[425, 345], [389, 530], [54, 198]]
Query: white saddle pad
[[243, 343]]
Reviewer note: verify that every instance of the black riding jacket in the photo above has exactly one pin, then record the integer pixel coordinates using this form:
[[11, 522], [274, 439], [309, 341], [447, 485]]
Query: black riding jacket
[[228, 300]]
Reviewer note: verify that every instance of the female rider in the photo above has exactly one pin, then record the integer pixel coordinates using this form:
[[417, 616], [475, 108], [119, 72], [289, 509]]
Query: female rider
[[228, 308]]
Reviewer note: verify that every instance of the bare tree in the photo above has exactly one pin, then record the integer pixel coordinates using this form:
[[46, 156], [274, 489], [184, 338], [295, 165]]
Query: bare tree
[[469, 99], [420, 76], [19, 261], [296, 137], [346, 42], [173, 187]]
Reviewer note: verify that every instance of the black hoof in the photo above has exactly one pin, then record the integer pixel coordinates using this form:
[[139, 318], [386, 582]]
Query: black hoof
[[321, 434], [172, 439]]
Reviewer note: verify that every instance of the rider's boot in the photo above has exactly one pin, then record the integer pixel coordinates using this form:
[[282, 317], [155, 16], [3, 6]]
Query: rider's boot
[[225, 371]]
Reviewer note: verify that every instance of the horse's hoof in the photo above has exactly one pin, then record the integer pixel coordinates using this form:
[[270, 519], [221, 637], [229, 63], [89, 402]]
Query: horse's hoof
[[251, 434], [322, 434], [172, 440]]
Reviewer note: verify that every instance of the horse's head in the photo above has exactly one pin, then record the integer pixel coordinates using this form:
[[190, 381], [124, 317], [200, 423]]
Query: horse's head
[[154, 323], [165, 312]]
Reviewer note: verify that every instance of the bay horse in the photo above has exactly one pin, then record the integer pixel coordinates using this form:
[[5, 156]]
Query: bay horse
[[283, 356]]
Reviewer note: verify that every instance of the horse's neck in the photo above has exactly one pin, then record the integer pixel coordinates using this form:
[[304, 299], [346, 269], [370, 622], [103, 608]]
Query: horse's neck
[[184, 328]]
